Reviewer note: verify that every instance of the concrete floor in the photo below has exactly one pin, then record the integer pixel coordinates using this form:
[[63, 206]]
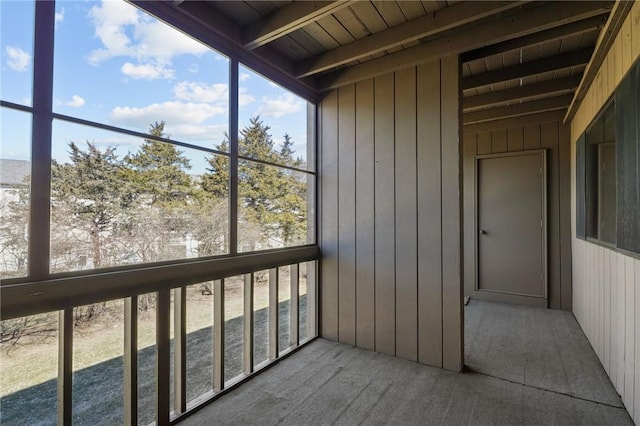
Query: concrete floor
[[526, 366]]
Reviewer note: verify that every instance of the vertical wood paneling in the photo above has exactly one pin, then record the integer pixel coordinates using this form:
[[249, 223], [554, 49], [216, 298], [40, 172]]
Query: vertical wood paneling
[[599, 299], [615, 325], [606, 292], [549, 140], [636, 403], [429, 217], [452, 339], [620, 331], [617, 57], [515, 139], [564, 176], [532, 137], [629, 326], [484, 143], [626, 45], [606, 303], [346, 216], [329, 217], [406, 215], [498, 141], [634, 16], [606, 300], [365, 225], [469, 146], [385, 216], [611, 72]]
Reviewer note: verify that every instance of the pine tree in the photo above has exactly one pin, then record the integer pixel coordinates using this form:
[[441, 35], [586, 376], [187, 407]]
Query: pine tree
[[216, 180], [158, 170], [286, 153], [164, 193], [87, 195], [271, 199]]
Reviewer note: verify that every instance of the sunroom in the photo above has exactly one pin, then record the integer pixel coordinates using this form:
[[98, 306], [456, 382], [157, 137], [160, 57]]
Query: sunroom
[[313, 212]]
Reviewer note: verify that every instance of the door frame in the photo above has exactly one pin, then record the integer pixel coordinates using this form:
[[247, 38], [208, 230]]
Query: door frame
[[504, 296]]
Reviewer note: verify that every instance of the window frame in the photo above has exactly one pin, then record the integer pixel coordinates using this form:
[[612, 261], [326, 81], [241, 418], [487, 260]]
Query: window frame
[[63, 289], [626, 100]]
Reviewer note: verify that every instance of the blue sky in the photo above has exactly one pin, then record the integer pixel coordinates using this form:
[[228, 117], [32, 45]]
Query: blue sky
[[119, 66]]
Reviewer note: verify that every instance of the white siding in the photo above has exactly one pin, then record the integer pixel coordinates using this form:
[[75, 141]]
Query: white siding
[[606, 284]]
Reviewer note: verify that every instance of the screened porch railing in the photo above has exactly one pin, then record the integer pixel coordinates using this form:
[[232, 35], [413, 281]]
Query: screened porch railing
[[170, 298]]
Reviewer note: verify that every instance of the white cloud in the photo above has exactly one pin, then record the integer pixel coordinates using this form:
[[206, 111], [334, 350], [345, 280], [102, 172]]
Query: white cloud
[[160, 41], [110, 19], [186, 132], [244, 76], [75, 102], [175, 113], [18, 59], [59, 17], [194, 69], [282, 105], [147, 71], [217, 93], [125, 32], [244, 98], [201, 92]]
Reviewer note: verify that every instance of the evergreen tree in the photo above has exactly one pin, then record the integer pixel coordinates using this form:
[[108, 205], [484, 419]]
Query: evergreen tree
[[286, 153], [158, 170], [87, 195], [216, 180], [164, 193], [255, 141], [271, 198]]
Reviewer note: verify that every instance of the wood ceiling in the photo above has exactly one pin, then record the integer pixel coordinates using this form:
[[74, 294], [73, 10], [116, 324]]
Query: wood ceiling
[[518, 57]]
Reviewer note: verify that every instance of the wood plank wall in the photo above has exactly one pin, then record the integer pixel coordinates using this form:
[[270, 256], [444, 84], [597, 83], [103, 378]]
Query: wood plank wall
[[555, 138], [390, 215], [606, 283]]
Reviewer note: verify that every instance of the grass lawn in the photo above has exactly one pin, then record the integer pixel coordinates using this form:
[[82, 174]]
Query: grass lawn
[[33, 361]]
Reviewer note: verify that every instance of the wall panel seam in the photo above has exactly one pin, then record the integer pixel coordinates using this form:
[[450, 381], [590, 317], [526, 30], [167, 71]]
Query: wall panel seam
[[417, 253], [338, 215], [395, 230], [441, 221], [355, 211], [375, 239]]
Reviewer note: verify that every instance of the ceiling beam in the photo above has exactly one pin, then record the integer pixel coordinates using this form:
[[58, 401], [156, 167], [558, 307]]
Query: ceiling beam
[[548, 87], [537, 38], [507, 123], [204, 23], [288, 19], [518, 109], [425, 26], [543, 17], [552, 63], [607, 36]]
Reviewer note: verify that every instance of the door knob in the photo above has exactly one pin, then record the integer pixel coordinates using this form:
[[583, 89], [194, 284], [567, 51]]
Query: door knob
[[483, 232]]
